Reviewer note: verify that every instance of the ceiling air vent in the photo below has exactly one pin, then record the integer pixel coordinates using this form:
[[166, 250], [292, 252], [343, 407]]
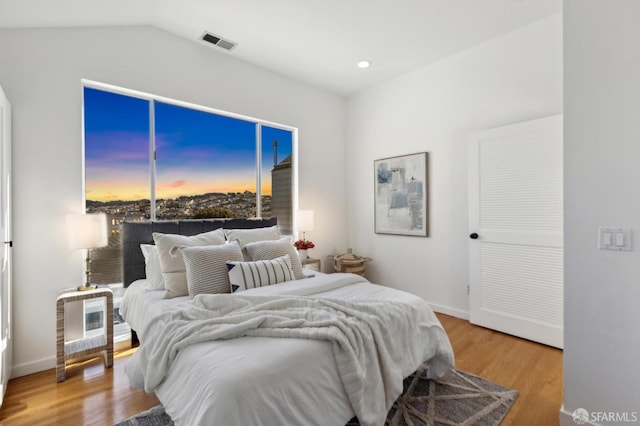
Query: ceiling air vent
[[218, 41]]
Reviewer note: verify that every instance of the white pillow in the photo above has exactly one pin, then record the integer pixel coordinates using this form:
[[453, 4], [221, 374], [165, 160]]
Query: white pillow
[[246, 236], [173, 267], [206, 267], [245, 275], [267, 250], [152, 268]]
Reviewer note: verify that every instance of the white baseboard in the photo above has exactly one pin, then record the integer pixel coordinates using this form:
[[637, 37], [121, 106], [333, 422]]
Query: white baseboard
[[449, 311], [121, 345], [27, 368], [49, 363]]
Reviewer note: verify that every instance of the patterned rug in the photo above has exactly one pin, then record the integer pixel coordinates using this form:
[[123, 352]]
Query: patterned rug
[[459, 398]]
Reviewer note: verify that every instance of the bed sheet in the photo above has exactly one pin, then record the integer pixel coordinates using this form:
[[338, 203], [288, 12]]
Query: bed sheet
[[140, 305], [265, 381]]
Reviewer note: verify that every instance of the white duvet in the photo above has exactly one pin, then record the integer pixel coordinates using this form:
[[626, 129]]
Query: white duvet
[[275, 356]]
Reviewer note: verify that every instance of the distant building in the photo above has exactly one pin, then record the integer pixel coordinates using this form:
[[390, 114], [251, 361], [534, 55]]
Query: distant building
[[281, 195]]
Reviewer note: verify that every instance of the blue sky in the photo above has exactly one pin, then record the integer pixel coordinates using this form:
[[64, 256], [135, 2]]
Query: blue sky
[[197, 152]]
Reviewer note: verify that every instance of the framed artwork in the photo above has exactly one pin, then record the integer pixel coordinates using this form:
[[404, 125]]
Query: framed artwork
[[401, 205]]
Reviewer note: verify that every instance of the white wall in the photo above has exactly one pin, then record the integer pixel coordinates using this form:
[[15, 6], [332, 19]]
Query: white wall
[[510, 79], [40, 72], [602, 188]]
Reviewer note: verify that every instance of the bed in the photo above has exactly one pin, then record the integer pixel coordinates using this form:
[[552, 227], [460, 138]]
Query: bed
[[273, 360]]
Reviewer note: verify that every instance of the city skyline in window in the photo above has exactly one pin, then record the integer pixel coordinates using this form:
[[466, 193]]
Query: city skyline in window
[[197, 152]]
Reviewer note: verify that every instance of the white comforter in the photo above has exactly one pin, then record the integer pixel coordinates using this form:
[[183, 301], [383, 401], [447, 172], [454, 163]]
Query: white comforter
[[374, 344]]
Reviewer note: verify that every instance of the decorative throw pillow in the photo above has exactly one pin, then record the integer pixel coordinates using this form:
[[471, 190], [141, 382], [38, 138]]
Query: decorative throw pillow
[[267, 250], [152, 268], [206, 267], [246, 236], [260, 273], [173, 267]]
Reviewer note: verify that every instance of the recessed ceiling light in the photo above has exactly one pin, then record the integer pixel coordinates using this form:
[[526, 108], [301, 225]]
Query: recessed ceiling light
[[364, 64]]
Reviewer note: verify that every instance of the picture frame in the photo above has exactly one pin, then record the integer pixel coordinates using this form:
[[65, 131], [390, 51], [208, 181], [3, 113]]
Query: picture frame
[[401, 195]]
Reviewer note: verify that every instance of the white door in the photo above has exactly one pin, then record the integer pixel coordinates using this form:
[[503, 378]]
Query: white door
[[515, 221], [6, 347]]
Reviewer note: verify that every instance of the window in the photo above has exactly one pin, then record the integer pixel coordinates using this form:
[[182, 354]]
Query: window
[[116, 156], [205, 164], [277, 176], [147, 157]]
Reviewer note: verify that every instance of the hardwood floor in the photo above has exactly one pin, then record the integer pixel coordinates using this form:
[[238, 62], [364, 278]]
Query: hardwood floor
[[534, 370], [93, 395]]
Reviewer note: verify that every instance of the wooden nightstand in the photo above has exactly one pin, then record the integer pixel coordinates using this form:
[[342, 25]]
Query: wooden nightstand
[[310, 263], [88, 346]]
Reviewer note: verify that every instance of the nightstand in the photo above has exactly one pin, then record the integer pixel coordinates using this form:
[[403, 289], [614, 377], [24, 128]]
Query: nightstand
[[310, 263], [102, 343]]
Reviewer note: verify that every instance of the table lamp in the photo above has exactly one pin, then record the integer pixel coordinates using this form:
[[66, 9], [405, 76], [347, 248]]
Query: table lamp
[[87, 231]]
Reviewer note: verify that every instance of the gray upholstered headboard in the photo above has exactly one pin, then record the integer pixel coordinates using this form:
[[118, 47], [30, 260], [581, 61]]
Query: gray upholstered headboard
[[136, 233]]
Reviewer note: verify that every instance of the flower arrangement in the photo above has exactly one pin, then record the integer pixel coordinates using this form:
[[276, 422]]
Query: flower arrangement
[[303, 245]]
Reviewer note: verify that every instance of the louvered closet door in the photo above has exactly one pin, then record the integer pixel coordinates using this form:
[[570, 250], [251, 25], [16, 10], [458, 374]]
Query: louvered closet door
[[516, 247]]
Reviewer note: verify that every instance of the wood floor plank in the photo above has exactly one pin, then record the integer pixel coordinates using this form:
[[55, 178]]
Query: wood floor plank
[[93, 395]]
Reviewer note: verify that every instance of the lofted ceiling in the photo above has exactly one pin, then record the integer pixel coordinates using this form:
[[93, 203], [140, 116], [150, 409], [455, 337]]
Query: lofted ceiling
[[317, 42]]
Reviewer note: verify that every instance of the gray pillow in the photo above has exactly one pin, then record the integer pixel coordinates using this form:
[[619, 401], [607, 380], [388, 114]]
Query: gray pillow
[[173, 267], [206, 267], [246, 236], [267, 250]]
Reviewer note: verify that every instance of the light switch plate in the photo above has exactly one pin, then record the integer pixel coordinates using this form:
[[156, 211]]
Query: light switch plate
[[616, 239]]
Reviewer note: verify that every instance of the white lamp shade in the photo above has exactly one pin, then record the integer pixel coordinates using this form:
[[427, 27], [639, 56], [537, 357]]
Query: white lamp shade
[[304, 220], [87, 230]]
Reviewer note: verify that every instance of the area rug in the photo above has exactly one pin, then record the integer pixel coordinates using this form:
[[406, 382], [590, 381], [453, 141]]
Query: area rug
[[459, 398]]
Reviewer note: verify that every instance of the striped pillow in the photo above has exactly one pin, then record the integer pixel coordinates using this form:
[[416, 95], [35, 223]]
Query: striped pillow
[[267, 250], [207, 268], [246, 236], [246, 275], [173, 267]]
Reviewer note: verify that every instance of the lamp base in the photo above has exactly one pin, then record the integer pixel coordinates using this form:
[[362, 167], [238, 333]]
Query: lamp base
[[87, 287]]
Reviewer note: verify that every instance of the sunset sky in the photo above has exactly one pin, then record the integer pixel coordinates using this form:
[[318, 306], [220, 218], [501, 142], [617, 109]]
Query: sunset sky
[[197, 152]]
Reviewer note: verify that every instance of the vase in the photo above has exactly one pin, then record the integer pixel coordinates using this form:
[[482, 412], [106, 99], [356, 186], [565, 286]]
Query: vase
[[302, 254]]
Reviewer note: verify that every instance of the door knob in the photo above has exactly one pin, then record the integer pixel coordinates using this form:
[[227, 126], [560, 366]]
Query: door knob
[[473, 236]]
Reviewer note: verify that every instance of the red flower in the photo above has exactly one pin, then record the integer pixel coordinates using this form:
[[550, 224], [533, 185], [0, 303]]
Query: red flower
[[303, 245]]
